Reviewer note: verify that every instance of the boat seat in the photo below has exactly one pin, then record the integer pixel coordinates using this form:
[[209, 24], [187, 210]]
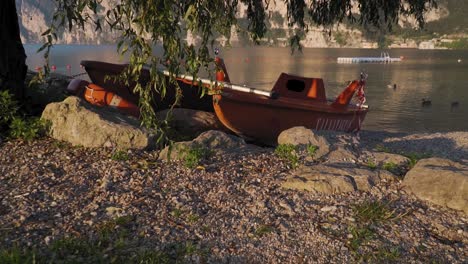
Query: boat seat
[[299, 87]]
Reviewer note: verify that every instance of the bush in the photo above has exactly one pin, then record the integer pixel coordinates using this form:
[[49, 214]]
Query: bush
[[8, 108], [13, 125], [192, 156], [27, 129], [288, 152]]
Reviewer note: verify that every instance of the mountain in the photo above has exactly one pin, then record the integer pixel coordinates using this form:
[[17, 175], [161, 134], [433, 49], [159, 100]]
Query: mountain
[[447, 27]]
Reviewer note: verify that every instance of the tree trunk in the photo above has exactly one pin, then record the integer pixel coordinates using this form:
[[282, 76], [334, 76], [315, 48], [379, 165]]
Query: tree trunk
[[12, 55]]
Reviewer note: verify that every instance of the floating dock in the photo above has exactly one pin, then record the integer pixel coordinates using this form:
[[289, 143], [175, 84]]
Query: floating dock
[[384, 58]]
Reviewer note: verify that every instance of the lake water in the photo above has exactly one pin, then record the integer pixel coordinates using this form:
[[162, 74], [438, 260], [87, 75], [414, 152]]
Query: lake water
[[435, 75]]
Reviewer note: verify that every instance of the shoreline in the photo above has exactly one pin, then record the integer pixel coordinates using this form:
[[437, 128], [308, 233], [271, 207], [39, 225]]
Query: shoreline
[[84, 205]]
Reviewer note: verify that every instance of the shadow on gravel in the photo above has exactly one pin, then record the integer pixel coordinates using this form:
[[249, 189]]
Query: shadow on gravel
[[398, 143]]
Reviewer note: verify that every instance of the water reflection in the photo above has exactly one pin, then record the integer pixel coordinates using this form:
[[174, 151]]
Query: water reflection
[[423, 74]]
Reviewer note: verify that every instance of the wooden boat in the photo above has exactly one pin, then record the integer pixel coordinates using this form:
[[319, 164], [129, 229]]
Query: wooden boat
[[294, 101], [191, 94]]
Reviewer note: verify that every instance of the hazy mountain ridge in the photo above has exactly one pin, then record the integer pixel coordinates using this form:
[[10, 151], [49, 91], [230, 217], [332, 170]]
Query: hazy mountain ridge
[[450, 17]]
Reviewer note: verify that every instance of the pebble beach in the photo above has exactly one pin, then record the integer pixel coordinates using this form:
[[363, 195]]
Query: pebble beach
[[72, 204]]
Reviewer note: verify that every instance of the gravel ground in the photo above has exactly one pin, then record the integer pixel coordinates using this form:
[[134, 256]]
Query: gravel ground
[[230, 210]]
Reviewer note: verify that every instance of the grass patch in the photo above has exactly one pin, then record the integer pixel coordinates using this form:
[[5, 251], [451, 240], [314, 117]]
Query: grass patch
[[193, 218], [110, 244], [17, 256], [120, 155], [371, 165], [374, 211], [192, 156], [288, 152], [263, 230], [391, 167], [386, 255], [311, 150], [369, 214], [177, 213], [61, 144], [415, 157], [360, 236]]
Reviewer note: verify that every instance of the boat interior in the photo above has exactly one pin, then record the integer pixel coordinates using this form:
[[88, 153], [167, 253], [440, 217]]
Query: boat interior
[[298, 87]]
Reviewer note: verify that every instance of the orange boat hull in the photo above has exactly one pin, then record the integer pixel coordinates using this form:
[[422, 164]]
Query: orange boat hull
[[261, 118]]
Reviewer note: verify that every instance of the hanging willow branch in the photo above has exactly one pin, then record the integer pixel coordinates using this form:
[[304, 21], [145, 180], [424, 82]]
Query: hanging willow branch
[[145, 24]]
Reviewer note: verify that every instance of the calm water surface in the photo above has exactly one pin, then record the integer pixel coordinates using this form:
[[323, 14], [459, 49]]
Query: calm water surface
[[432, 74]]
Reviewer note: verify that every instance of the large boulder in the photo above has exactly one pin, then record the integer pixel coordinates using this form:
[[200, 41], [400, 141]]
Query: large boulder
[[76, 121], [302, 136], [213, 140], [440, 181], [332, 179], [189, 123]]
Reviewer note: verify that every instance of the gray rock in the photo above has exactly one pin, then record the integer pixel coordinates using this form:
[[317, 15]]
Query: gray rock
[[440, 181], [335, 179], [302, 136], [341, 155], [213, 140], [79, 123], [189, 123], [318, 179]]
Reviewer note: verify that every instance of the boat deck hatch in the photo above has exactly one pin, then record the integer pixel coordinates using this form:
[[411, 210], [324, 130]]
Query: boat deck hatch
[[295, 85], [299, 87]]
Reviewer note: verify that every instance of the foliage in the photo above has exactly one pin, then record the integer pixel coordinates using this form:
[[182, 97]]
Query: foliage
[[458, 44], [311, 150], [385, 254], [360, 235], [374, 211], [390, 166], [341, 38], [277, 19], [144, 25], [192, 218], [192, 156], [176, 213], [15, 255], [415, 157], [263, 230], [111, 243], [371, 165], [15, 126], [120, 155], [27, 129], [8, 108], [288, 152], [370, 214]]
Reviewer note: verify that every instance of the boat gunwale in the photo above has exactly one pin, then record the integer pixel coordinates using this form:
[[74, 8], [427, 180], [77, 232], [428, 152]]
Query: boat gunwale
[[292, 103]]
